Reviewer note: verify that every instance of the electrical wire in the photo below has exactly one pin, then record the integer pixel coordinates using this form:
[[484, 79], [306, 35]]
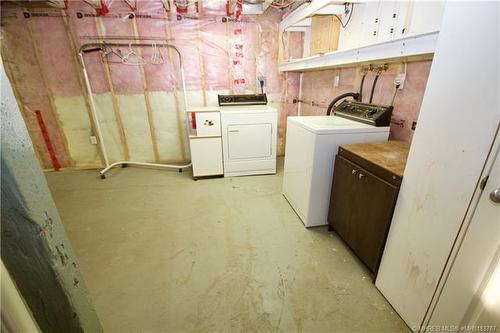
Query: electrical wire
[[397, 84], [348, 19]]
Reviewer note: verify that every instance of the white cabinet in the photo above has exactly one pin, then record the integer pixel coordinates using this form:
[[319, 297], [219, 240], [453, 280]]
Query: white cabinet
[[379, 21], [205, 141]]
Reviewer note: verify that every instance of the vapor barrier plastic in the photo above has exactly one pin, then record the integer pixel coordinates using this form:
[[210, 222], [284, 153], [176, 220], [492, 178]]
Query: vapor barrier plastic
[[222, 53]]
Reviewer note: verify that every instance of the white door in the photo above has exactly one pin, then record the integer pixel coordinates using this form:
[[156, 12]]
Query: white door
[[249, 141], [471, 290], [206, 155]]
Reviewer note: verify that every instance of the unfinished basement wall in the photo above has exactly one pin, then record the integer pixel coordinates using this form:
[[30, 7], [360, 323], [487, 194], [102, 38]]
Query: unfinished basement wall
[[140, 107], [318, 90]]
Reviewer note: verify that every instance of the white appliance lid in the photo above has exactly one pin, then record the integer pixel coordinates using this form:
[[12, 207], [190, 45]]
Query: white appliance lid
[[334, 124], [246, 108]]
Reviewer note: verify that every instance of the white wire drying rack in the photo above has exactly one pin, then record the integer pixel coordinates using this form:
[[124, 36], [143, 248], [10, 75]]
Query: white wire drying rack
[[104, 47]]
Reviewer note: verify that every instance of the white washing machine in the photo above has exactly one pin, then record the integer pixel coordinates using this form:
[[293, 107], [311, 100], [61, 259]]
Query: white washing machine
[[249, 134], [311, 145]]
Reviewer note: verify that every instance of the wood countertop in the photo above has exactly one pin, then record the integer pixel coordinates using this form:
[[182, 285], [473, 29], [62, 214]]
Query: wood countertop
[[390, 156]]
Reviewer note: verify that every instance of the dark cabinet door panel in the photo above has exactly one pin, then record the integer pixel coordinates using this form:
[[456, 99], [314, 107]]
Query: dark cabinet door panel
[[370, 222], [343, 192]]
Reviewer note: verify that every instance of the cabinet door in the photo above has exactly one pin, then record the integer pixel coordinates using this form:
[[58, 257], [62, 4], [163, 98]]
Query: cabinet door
[[402, 18], [372, 208], [206, 155], [371, 22], [342, 199], [388, 14]]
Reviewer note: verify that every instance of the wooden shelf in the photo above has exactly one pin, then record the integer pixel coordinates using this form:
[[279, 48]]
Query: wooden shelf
[[410, 48]]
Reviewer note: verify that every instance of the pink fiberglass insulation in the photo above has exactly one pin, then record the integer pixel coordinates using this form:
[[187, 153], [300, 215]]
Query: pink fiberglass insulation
[[250, 44], [31, 90], [150, 6], [185, 37], [126, 78], [214, 48], [214, 8], [56, 55], [293, 85], [267, 62], [81, 28], [158, 76], [408, 100], [295, 45]]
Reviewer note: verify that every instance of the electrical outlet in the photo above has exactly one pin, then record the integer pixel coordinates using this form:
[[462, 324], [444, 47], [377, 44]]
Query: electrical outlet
[[400, 80], [336, 81], [93, 139]]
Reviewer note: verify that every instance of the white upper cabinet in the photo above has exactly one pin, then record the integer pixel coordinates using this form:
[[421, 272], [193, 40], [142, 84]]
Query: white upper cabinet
[[378, 21]]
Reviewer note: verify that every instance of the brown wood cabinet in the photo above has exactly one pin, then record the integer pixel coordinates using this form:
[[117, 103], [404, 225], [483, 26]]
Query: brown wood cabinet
[[364, 192]]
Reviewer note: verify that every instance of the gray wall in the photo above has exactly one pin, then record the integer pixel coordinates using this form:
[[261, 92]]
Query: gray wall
[[34, 245]]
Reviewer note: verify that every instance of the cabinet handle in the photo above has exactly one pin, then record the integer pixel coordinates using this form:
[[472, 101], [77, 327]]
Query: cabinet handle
[[234, 131], [354, 171], [360, 176], [495, 195]]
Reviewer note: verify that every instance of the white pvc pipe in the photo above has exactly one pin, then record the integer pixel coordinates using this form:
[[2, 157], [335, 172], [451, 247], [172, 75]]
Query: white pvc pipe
[[183, 82], [183, 87], [299, 106], [156, 165], [98, 127], [95, 118]]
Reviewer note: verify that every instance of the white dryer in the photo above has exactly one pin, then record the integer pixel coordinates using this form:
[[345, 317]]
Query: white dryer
[[249, 135], [311, 145]]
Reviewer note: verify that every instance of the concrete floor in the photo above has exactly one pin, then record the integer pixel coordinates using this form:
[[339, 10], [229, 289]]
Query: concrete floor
[[163, 253]]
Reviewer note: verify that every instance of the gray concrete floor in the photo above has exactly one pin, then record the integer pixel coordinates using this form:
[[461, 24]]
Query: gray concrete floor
[[163, 253]]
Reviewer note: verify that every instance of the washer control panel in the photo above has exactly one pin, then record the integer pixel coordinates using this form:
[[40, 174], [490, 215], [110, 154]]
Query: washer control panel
[[376, 115]]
